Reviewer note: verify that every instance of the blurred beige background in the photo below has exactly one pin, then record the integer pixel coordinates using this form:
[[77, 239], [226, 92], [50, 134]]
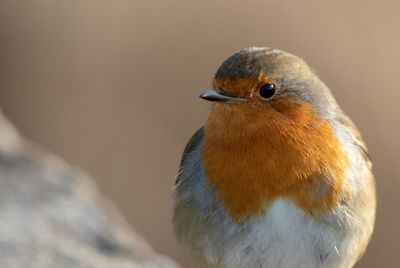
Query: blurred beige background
[[112, 86]]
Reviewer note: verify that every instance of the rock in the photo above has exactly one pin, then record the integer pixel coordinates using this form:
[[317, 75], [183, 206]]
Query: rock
[[52, 215]]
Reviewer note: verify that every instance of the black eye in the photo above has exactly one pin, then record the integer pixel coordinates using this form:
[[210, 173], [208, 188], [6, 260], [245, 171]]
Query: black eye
[[267, 91]]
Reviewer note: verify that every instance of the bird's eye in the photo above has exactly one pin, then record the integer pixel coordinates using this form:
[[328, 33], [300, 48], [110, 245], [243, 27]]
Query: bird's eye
[[267, 91]]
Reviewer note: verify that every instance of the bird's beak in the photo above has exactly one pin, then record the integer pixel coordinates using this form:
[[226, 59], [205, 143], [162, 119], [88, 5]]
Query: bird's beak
[[218, 95]]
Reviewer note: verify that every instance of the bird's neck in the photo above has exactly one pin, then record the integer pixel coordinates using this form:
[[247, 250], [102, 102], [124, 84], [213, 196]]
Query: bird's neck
[[251, 163]]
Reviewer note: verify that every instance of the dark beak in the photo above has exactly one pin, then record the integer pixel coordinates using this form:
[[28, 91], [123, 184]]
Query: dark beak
[[218, 95]]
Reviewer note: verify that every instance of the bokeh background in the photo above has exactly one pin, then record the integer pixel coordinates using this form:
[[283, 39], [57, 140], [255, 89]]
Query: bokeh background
[[112, 86]]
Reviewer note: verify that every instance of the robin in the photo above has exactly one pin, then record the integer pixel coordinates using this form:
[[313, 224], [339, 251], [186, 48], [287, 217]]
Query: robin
[[278, 176]]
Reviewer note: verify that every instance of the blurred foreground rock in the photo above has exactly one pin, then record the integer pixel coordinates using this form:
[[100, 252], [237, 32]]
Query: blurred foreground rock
[[52, 216]]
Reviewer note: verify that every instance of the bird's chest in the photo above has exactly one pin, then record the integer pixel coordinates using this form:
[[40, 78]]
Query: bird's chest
[[252, 168]]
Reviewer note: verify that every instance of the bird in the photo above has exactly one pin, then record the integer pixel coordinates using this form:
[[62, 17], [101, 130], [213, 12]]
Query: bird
[[279, 176]]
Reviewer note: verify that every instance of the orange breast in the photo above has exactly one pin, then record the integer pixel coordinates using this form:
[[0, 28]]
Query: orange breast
[[252, 158]]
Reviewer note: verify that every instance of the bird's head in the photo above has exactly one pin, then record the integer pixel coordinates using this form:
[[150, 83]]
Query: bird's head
[[259, 86]]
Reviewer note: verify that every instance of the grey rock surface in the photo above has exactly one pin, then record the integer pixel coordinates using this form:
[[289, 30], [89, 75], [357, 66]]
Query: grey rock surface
[[52, 215]]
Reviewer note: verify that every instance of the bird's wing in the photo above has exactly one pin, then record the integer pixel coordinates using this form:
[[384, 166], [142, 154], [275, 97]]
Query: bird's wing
[[194, 141], [358, 140]]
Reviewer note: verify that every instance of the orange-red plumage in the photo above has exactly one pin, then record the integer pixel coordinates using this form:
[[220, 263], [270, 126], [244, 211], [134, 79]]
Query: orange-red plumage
[[287, 151]]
